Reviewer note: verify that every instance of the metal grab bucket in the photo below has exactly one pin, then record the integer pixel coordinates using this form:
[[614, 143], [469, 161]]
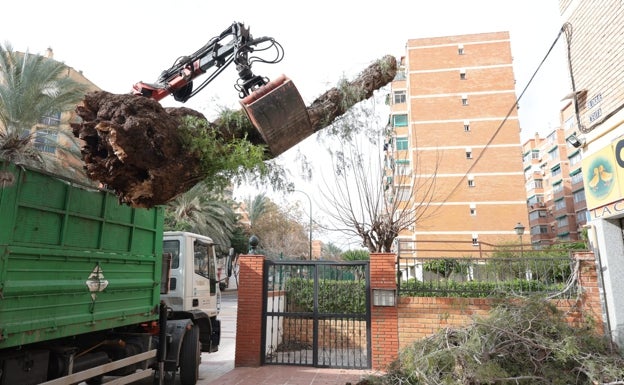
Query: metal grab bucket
[[279, 113]]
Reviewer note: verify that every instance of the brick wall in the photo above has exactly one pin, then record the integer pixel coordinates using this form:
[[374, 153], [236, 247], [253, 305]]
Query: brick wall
[[333, 333], [394, 327], [419, 317]]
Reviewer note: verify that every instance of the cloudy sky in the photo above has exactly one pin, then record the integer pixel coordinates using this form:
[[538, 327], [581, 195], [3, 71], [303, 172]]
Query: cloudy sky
[[118, 43]]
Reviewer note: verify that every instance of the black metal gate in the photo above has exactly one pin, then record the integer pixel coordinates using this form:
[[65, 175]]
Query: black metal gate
[[317, 313]]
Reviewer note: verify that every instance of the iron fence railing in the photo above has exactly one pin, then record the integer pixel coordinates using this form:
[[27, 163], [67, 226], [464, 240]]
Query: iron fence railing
[[552, 276]]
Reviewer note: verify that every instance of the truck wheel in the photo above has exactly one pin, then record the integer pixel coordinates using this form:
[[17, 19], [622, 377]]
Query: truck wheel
[[190, 357]]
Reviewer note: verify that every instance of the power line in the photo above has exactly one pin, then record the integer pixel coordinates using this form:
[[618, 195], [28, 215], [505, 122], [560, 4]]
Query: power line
[[514, 106]]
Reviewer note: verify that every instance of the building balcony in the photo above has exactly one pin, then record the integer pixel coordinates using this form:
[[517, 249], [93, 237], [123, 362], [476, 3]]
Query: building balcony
[[542, 238]]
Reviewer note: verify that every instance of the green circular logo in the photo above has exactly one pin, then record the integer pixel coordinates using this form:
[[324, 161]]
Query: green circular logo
[[599, 177]]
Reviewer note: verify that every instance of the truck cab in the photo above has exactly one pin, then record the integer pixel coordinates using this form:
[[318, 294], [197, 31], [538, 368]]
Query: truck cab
[[193, 290]]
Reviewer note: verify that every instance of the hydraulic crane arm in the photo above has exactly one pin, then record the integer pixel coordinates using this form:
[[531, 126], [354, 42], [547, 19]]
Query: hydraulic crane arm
[[233, 45], [275, 107]]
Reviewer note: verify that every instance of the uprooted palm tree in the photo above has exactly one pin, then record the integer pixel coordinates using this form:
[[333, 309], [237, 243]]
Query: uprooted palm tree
[[32, 87]]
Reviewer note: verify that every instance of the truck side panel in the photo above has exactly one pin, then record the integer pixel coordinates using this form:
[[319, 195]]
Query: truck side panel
[[73, 260]]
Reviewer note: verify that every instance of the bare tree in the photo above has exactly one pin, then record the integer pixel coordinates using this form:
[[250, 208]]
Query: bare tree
[[378, 191], [280, 231]]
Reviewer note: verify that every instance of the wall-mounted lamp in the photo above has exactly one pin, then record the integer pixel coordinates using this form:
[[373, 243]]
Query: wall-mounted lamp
[[384, 297], [575, 141]]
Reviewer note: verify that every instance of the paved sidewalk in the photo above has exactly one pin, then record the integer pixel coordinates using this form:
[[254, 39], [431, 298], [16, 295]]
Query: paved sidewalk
[[289, 375]]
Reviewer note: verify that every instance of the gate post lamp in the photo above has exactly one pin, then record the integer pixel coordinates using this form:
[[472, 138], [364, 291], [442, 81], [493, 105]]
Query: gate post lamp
[[309, 200], [520, 231]]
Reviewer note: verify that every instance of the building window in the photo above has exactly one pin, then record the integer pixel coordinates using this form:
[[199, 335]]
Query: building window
[[464, 99], [577, 178], [399, 97], [555, 170], [537, 214], [401, 143], [473, 209], [475, 239], [560, 204], [462, 74], [554, 153], [575, 158], [579, 196], [581, 216], [466, 126], [402, 167], [562, 221], [53, 119], [471, 182], [535, 199], [45, 141], [460, 49], [468, 153], [557, 187], [533, 184], [399, 120], [535, 154], [403, 194]]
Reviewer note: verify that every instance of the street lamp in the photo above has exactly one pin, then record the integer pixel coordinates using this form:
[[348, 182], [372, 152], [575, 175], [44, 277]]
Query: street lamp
[[310, 200], [520, 231]]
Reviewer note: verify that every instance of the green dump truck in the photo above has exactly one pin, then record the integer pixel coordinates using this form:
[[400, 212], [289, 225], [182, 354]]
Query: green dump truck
[[90, 288]]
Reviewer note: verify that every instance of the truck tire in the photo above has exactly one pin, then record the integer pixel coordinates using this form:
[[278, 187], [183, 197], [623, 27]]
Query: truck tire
[[190, 357]]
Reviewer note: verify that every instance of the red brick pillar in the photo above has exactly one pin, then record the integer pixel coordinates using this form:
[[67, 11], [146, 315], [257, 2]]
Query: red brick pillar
[[590, 303], [249, 314], [384, 319]]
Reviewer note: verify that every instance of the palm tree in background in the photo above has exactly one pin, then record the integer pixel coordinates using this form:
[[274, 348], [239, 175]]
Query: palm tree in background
[[32, 87], [201, 211], [256, 207], [331, 252]]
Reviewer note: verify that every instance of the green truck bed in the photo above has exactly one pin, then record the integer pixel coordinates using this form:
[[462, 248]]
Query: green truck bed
[[72, 259]]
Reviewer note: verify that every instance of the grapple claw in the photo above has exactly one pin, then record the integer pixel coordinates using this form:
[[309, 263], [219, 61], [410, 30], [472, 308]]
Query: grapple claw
[[279, 113]]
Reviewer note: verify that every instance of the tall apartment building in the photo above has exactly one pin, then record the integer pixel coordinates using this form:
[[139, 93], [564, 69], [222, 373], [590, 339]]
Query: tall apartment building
[[554, 185], [454, 121], [595, 37]]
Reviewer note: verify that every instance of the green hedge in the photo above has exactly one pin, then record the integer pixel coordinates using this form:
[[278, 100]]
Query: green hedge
[[334, 296], [476, 289]]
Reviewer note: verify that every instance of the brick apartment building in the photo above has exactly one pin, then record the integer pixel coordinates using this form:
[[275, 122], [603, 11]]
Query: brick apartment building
[[554, 184], [454, 121]]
